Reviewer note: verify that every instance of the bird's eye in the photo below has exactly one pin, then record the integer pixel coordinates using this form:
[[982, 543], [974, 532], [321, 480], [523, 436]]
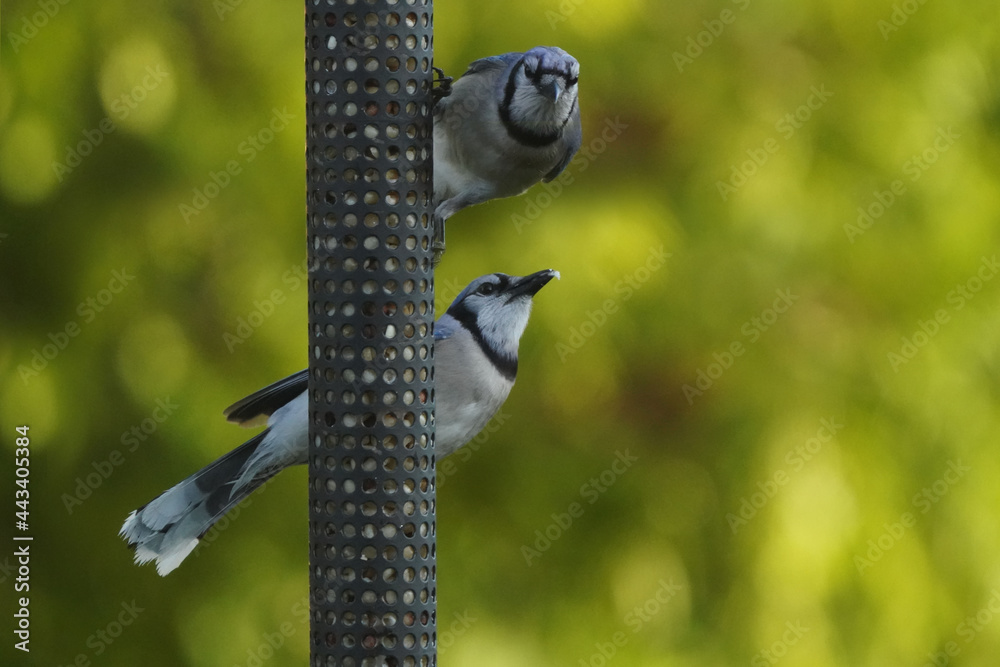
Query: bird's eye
[[486, 289]]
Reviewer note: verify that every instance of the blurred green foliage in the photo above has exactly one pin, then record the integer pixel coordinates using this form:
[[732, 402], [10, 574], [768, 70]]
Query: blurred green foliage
[[794, 496]]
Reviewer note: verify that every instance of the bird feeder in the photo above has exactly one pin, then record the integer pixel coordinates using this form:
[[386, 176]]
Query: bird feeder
[[371, 349]]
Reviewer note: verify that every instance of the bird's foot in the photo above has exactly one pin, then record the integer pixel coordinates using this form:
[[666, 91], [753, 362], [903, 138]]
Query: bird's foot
[[437, 241], [441, 85]]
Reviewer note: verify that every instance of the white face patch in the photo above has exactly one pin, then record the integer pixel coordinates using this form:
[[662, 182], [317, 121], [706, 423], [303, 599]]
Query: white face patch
[[531, 109], [502, 324]]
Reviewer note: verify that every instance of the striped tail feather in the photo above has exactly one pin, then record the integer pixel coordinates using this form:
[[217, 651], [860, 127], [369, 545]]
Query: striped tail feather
[[167, 528]]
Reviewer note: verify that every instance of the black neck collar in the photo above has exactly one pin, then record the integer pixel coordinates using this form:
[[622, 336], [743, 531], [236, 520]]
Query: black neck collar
[[505, 365]]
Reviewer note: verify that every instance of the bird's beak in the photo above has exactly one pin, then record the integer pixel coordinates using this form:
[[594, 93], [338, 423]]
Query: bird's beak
[[552, 91], [531, 284]]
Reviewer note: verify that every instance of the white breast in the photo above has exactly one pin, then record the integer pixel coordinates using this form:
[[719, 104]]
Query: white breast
[[469, 391]]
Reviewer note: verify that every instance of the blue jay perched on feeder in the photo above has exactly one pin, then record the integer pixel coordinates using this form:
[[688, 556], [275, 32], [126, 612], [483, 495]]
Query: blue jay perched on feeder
[[475, 351], [508, 122]]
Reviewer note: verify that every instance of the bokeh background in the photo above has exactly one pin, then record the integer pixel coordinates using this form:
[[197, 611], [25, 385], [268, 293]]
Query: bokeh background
[[779, 306]]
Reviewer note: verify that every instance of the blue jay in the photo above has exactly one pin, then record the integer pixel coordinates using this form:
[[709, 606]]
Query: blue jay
[[508, 122], [475, 351]]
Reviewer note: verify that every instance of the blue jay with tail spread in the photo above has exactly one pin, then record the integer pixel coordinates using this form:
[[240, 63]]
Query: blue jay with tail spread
[[475, 351], [509, 121]]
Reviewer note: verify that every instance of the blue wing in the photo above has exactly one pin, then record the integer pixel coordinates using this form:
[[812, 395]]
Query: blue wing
[[445, 326], [493, 63], [574, 138], [263, 403]]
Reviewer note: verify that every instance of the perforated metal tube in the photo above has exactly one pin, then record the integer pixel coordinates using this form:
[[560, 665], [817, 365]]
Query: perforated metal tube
[[371, 301]]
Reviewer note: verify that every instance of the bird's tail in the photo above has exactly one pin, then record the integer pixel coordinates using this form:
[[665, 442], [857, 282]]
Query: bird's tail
[[168, 528]]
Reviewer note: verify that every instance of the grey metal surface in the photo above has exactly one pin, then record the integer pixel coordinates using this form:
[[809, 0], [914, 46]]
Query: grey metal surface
[[371, 300]]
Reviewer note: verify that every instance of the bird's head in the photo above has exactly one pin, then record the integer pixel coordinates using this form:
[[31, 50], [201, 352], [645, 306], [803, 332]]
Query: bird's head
[[546, 86], [495, 308]]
